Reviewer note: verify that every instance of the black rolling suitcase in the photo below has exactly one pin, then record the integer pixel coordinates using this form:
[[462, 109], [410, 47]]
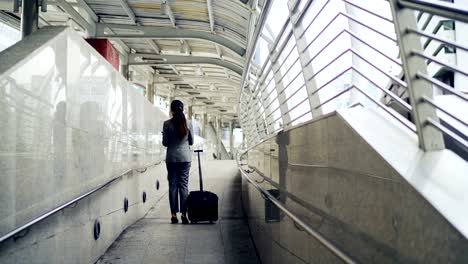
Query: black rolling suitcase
[[202, 206]]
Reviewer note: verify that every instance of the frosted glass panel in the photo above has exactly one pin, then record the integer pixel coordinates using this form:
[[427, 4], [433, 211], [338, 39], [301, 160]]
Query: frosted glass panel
[[69, 121], [8, 36]]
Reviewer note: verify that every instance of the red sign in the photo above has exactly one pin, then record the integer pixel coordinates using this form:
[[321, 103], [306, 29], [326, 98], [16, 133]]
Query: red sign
[[105, 48]]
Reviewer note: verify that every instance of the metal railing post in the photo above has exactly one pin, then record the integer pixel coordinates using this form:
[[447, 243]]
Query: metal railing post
[[265, 101], [150, 90], [253, 115], [29, 17], [304, 58], [250, 127], [279, 86], [429, 137]]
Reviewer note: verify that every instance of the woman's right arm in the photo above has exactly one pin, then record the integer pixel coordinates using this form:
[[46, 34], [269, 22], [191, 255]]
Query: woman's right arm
[[190, 134], [165, 140]]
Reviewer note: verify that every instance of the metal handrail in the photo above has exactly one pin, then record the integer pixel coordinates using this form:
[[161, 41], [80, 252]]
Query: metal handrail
[[354, 20], [446, 131], [397, 99], [399, 118], [434, 104], [298, 117], [332, 80], [449, 10], [273, 53], [394, 79], [313, 20], [440, 62], [287, 71], [437, 38], [67, 204], [335, 96], [307, 228], [368, 11], [441, 85]]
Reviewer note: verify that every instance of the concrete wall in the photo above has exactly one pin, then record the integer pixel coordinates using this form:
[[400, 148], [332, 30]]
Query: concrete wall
[[67, 237], [334, 180]]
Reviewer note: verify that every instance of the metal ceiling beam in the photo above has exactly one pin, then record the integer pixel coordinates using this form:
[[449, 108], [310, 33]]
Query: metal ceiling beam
[[175, 70], [227, 73], [184, 47], [168, 11], [206, 93], [151, 32], [135, 21], [124, 49], [200, 71], [88, 10], [91, 28], [218, 50], [209, 3], [154, 45], [129, 11], [196, 79], [176, 59], [217, 103], [197, 83], [166, 8], [193, 77]]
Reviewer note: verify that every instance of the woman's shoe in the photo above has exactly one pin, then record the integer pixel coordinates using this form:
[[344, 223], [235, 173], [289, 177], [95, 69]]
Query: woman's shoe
[[174, 220], [184, 220]]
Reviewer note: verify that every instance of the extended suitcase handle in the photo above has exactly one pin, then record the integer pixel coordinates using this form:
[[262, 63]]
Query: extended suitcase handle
[[199, 168]]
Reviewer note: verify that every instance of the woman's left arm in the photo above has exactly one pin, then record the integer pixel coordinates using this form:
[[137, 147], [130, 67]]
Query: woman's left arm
[[165, 140]]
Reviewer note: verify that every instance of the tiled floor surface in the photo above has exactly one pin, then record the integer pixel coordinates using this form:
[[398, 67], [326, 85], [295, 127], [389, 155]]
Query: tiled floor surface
[[154, 240]]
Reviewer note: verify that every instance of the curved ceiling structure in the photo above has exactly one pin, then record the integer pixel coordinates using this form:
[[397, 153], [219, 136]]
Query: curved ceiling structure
[[194, 49]]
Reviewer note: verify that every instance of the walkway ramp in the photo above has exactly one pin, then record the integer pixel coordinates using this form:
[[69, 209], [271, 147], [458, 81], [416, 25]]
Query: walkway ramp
[[154, 240]]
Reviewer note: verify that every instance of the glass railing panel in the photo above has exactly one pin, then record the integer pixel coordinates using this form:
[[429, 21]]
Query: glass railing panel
[[69, 122]]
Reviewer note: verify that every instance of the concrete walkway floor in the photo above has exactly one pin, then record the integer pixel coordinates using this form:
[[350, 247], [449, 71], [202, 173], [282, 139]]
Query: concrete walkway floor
[[154, 240]]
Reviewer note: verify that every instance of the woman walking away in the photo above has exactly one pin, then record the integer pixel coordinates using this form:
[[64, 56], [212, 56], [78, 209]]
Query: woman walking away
[[177, 137]]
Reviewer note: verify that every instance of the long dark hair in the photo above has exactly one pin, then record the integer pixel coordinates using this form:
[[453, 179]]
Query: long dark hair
[[178, 118]]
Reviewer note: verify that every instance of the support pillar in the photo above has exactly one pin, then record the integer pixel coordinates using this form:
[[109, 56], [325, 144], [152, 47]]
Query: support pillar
[[150, 90], [124, 71], [231, 138], [124, 67], [279, 86], [218, 136], [430, 138], [29, 17], [205, 125], [190, 112]]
